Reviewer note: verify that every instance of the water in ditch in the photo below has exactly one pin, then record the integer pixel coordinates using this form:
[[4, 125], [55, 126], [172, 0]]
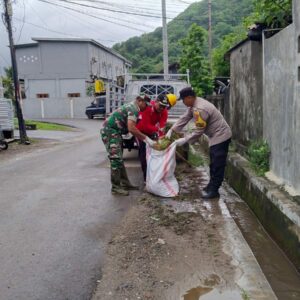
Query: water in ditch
[[279, 271]]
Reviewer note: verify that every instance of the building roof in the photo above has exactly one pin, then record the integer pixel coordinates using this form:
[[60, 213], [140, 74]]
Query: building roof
[[26, 45], [80, 40]]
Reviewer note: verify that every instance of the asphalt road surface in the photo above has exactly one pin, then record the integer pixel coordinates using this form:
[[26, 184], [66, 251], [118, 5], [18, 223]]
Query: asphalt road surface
[[56, 216]]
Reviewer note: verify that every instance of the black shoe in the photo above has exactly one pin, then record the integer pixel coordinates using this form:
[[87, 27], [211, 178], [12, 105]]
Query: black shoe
[[210, 194], [206, 189]]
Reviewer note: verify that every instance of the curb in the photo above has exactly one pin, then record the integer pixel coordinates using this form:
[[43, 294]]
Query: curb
[[278, 212]]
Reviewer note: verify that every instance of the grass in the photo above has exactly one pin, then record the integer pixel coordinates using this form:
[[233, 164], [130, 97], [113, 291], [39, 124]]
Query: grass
[[195, 156], [244, 295], [259, 154], [44, 125]]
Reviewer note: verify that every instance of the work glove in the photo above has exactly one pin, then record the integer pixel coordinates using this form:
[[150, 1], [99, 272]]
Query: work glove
[[150, 142], [181, 141], [169, 133]]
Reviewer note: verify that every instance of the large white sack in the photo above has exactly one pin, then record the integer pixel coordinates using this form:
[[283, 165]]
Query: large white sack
[[160, 178]]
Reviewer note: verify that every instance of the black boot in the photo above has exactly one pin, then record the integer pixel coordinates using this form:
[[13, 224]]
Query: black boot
[[207, 188], [210, 194], [116, 187], [125, 183]]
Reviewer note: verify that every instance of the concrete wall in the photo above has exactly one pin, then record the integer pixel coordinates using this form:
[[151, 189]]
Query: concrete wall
[[107, 65], [55, 108], [246, 104], [50, 60], [29, 61], [282, 102], [41, 86]]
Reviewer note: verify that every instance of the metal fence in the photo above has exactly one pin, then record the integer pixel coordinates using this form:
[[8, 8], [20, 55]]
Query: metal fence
[[114, 98], [7, 117]]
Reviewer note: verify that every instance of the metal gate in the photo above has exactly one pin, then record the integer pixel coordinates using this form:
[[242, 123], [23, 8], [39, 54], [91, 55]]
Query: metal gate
[[7, 117]]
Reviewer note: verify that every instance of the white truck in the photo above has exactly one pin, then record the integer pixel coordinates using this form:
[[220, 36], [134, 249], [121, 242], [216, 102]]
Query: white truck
[[154, 85], [135, 84]]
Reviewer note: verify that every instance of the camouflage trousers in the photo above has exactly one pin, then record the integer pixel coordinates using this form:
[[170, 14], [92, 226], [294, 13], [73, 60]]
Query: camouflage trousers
[[112, 140]]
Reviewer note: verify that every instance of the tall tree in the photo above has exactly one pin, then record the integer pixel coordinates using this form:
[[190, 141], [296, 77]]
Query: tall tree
[[194, 58], [275, 13]]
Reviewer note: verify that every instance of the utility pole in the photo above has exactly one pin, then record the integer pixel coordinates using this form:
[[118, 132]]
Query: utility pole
[[209, 36], [8, 15], [165, 39]]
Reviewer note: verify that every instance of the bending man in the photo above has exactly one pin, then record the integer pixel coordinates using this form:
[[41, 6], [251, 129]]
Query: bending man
[[209, 121], [122, 121]]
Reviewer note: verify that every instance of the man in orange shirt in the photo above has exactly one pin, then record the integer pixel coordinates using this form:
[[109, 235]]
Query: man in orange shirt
[[152, 122]]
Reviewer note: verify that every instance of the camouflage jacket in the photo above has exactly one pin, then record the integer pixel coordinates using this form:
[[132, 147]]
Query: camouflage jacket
[[119, 118]]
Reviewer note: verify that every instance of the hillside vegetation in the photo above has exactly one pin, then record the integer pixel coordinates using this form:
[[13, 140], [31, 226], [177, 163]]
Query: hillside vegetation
[[145, 51]]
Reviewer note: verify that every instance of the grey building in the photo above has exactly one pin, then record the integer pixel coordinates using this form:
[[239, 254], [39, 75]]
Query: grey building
[[55, 74]]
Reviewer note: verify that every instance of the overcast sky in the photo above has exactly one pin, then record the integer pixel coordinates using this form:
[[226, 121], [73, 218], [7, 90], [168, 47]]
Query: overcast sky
[[107, 21]]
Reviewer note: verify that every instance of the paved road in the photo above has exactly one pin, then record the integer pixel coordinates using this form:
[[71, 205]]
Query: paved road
[[56, 215]]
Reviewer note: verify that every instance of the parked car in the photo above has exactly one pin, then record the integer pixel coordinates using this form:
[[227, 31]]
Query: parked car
[[97, 107]]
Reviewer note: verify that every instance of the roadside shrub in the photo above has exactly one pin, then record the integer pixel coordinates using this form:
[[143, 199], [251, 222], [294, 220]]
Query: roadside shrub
[[258, 154]]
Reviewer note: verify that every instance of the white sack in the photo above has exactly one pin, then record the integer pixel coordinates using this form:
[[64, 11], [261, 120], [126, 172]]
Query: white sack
[[161, 165]]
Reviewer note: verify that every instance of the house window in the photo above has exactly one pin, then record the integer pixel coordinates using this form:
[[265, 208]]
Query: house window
[[42, 96], [73, 95]]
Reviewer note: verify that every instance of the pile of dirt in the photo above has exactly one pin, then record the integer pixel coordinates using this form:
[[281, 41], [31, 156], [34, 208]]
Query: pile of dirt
[[166, 249]]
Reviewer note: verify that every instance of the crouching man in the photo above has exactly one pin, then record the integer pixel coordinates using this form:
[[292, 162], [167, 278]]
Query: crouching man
[[122, 121], [209, 121]]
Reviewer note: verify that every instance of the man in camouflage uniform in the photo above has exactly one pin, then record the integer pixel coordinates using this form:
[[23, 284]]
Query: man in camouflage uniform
[[122, 121]]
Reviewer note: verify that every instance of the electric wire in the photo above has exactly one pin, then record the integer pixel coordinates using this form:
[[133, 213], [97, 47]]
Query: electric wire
[[76, 17], [111, 10], [85, 13], [24, 13], [135, 7], [189, 20]]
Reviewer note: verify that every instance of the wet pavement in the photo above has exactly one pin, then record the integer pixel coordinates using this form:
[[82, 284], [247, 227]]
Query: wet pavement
[[249, 280], [56, 216], [262, 269]]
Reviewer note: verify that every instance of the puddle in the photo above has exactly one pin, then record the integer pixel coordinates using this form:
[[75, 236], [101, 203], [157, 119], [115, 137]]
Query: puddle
[[196, 293], [201, 293]]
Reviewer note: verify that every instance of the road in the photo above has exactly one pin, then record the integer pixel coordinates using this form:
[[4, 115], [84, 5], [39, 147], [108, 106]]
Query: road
[[56, 216]]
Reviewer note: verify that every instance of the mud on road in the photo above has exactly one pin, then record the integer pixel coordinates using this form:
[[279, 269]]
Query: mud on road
[[169, 249], [16, 150]]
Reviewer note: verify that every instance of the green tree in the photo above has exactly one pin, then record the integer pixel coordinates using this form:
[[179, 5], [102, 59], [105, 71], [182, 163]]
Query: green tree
[[193, 58], [275, 13], [221, 67], [226, 15], [8, 84]]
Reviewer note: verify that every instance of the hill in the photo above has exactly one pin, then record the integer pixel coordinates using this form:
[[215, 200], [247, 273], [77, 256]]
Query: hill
[[146, 51]]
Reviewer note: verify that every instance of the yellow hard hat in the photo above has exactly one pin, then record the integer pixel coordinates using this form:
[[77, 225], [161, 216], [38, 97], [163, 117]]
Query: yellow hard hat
[[172, 99]]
